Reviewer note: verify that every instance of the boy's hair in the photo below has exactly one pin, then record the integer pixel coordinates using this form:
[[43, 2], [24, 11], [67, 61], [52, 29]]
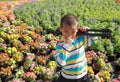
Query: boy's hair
[[69, 20]]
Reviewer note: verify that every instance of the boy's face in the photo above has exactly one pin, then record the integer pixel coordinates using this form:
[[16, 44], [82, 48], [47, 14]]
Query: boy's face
[[69, 31]]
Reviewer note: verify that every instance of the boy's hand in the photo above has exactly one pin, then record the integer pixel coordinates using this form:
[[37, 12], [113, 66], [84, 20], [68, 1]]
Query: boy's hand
[[83, 28], [69, 41]]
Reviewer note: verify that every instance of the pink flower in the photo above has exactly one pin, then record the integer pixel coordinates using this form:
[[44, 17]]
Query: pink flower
[[16, 81], [93, 53], [33, 65], [11, 16], [115, 80], [30, 74], [6, 23]]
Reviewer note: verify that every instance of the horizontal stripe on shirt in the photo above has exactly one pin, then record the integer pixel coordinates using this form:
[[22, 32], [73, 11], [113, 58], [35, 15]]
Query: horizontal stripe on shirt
[[75, 73], [81, 63], [74, 76]]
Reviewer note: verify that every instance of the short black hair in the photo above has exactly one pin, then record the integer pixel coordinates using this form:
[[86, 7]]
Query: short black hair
[[69, 20]]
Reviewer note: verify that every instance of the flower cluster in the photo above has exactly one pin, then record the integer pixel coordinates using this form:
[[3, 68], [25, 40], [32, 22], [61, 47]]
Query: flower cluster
[[48, 74], [2, 46], [41, 59], [5, 71], [39, 69], [4, 58], [91, 55], [105, 75], [29, 76]]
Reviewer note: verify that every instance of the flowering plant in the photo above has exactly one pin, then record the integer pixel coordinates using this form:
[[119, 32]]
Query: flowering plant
[[48, 74], [41, 59], [52, 64], [12, 63], [49, 37], [3, 34], [2, 46], [105, 75], [18, 56], [26, 39], [90, 56], [11, 16], [52, 54], [102, 55], [13, 37], [3, 18], [29, 77], [38, 69], [33, 35], [30, 56], [4, 58], [90, 70], [18, 80], [108, 67], [99, 64], [11, 50], [19, 72], [5, 71], [42, 47], [1, 40], [27, 64], [52, 44]]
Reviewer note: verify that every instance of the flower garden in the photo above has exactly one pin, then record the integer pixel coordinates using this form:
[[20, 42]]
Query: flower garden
[[27, 50]]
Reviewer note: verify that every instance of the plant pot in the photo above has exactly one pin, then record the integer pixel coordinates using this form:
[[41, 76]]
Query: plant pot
[[96, 69], [111, 58], [117, 67], [117, 55]]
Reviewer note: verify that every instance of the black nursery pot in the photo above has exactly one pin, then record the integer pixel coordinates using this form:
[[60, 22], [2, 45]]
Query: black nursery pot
[[8, 78], [117, 55], [117, 67], [111, 58]]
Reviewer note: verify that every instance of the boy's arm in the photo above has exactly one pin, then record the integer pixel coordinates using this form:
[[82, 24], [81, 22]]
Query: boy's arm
[[88, 40], [60, 55]]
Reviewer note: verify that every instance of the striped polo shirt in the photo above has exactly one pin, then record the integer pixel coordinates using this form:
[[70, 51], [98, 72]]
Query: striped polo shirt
[[72, 58]]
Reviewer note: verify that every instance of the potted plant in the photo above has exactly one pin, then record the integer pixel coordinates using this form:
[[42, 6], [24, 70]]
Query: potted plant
[[19, 72], [18, 56], [99, 64], [41, 60], [91, 55], [52, 64], [48, 75], [105, 76], [1, 40], [90, 70], [5, 71], [29, 77], [17, 80], [108, 67], [39, 71], [2, 47], [42, 48]]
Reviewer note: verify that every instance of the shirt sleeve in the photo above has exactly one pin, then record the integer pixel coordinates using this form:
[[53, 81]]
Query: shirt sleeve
[[89, 40], [60, 56]]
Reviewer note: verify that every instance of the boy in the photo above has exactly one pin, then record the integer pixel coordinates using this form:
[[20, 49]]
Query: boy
[[71, 52]]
